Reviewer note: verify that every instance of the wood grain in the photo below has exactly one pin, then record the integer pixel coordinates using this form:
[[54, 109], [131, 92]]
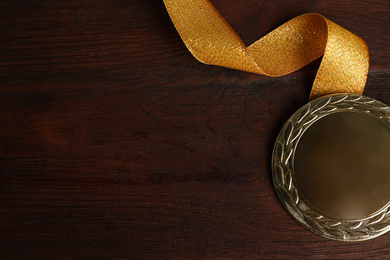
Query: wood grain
[[115, 143]]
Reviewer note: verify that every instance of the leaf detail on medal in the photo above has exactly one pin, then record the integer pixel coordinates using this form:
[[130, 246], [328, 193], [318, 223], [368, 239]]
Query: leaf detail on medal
[[288, 156], [310, 119], [328, 109], [288, 180], [295, 134], [355, 225], [365, 100], [279, 172], [336, 232], [380, 227], [285, 193], [377, 113], [295, 196], [358, 234], [279, 149], [313, 215], [338, 99], [388, 209], [315, 225], [376, 219], [321, 105], [381, 106], [362, 107], [345, 105], [304, 114], [288, 132], [331, 223], [354, 98]]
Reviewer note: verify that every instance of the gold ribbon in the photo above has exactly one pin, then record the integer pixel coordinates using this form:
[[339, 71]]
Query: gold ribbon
[[288, 48]]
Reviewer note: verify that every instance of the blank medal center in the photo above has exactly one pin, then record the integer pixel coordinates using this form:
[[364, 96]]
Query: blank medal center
[[342, 165]]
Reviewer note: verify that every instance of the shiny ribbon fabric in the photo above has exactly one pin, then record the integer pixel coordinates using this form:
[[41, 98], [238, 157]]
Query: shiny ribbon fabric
[[291, 46]]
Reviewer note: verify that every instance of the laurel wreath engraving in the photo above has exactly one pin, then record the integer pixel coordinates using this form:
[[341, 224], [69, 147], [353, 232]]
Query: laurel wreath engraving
[[286, 186]]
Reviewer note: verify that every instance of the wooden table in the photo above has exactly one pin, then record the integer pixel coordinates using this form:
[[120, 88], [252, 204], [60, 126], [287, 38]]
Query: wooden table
[[115, 143]]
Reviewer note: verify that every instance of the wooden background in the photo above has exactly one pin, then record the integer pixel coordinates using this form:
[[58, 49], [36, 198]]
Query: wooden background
[[115, 143]]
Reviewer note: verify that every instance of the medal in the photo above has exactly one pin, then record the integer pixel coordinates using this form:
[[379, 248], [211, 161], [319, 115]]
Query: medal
[[331, 167], [330, 161]]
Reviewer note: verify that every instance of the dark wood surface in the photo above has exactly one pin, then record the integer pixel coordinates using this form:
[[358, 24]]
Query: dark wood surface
[[115, 143]]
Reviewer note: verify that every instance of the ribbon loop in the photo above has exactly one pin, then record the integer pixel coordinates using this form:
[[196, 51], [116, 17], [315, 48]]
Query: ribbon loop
[[288, 48]]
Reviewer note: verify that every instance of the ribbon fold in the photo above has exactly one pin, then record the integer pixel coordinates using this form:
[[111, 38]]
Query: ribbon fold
[[291, 46]]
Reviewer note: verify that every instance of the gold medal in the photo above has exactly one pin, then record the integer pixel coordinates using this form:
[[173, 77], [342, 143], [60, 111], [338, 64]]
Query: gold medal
[[331, 167], [330, 162]]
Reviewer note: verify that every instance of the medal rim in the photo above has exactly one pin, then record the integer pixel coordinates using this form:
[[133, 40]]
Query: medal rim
[[285, 182]]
